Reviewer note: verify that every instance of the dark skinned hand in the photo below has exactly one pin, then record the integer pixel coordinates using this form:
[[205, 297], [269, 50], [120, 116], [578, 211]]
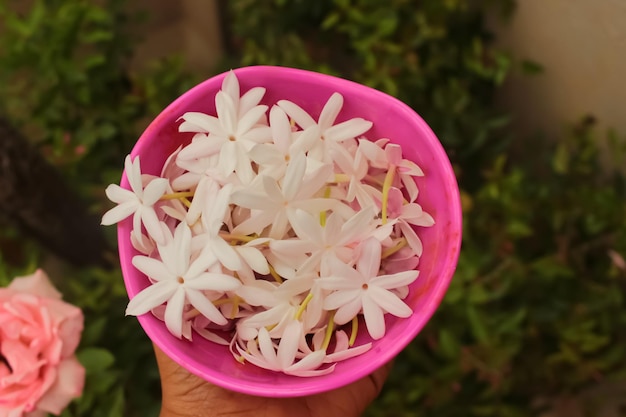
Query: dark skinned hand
[[186, 395]]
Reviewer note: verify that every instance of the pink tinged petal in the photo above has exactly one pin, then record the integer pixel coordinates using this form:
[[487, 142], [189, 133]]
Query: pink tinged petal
[[250, 118], [410, 186], [343, 351], [413, 214], [411, 237], [395, 203], [348, 311], [396, 280], [226, 112], [174, 312], [211, 336], [374, 318], [409, 168], [118, 195], [151, 297], [251, 98], [67, 386], [153, 268], [272, 191], [288, 346], [205, 307], [368, 263], [330, 111], [255, 360], [347, 130], [394, 154], [307, 364], [374, 153], [267, 348], [389, 302], [119, 213], [301, 117]]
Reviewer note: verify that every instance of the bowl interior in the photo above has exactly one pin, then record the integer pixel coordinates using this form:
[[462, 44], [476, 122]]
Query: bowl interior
[[438, 196]]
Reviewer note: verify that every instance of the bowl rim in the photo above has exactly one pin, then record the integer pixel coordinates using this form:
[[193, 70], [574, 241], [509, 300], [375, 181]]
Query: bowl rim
[[312, 385]]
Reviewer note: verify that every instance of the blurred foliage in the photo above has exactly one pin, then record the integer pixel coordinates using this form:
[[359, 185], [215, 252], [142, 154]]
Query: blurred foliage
[[536, 308], [67, 84]]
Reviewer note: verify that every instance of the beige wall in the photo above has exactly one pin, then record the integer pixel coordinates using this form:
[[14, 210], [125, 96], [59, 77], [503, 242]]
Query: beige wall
[[582, 46]]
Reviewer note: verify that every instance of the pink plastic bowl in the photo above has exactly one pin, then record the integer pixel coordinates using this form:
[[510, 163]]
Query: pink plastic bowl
[[439, 196]]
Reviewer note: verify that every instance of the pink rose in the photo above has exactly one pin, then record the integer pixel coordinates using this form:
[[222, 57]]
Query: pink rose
[[39, 333]]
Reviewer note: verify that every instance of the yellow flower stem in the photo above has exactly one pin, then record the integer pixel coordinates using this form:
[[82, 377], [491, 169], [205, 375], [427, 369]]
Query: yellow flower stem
[[355, 328], [302, 307], [185, 201], [240, 238], [323, 214], [342, 178], [275, 275], [386, 187], [390, 251], [174, 196], [329, 330]]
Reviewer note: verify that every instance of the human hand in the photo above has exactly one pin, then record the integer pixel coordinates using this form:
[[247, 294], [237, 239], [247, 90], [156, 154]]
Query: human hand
[[186, 395]]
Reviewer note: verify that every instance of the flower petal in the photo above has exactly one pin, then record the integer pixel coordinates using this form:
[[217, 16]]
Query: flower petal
[[205, 307], [389, 302], [151, 297], [174, 312], [374, 318], [153, 268]]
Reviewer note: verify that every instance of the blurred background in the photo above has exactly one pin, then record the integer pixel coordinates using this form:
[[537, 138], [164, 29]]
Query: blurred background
[[527, 98]]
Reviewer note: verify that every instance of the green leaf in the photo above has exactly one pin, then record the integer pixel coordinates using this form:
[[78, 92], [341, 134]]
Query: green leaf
[[477, 324], [95, 360]]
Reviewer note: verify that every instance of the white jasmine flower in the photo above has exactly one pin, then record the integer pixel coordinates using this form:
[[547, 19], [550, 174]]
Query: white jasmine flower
[[270, 201], [330, 133], [178, 280], [139, 201], [362, 289], [262, 353]]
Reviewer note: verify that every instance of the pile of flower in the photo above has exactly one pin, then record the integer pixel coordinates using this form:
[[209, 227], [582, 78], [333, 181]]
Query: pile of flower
[[274, 232]]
